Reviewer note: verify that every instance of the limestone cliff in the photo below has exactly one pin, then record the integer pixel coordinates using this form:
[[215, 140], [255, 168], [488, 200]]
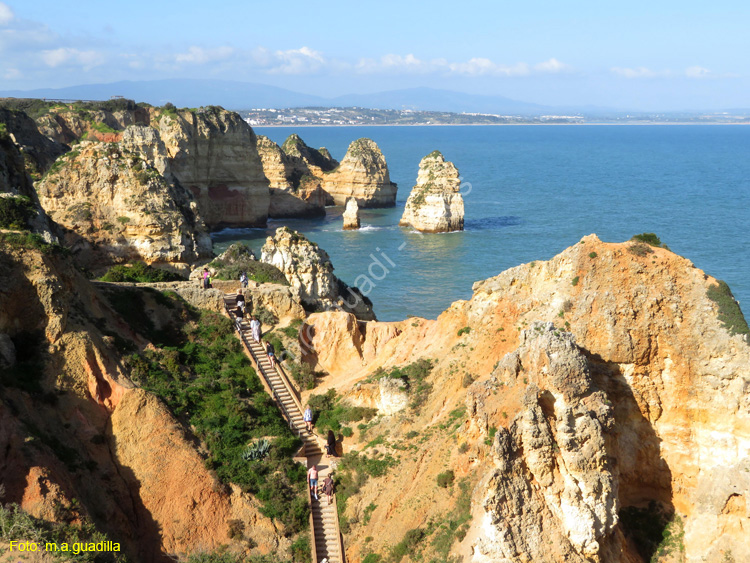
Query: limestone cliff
[[351, 215], [115, 206], [294, 190], [627, 405], [213, 153], [80, 440], [435, 204], [363, 174], [15, 180], [38, 151], [309, 271]]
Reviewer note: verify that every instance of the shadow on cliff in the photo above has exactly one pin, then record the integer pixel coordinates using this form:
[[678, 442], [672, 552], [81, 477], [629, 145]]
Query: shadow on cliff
[[645, 479]]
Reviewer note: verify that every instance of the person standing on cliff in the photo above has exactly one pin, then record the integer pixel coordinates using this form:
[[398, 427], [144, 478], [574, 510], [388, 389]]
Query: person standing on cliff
[[331, 444], [312, 480], [206, 278]]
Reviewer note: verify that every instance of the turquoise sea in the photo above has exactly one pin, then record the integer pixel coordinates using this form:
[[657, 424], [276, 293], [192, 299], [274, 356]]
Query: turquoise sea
[[534, 191]]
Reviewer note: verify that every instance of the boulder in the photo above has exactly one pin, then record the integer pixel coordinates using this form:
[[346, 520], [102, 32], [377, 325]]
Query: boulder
[[351, 215]]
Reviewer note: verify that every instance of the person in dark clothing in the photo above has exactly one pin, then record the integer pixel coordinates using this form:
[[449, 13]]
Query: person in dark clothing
[[331, 444], [239, 314], [241, 300], [328, 487]]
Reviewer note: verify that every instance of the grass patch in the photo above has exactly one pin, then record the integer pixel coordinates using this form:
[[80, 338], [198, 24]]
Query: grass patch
[[139, 272], [414, 376], [32, 241], [730, 313], [209, 384], [445, 479], [15, 524], [331, 412], [238, 260], [292, 331]]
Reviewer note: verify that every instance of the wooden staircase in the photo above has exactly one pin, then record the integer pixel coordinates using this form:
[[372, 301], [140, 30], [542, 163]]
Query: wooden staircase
[[327, 541]]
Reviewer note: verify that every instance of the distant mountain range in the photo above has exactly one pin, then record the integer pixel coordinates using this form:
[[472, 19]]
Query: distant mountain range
[[247, 95]]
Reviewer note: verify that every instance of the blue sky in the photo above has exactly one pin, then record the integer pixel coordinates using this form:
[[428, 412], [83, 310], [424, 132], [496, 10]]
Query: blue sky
[[633, 55]]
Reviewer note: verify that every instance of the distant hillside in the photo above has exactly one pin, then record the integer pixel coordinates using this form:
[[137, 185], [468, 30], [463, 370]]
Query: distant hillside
[[182, 93], [247, 95], [430, 99]]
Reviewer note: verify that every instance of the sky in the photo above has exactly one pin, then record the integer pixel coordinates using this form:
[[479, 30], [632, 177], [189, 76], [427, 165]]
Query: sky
[[636, 55]]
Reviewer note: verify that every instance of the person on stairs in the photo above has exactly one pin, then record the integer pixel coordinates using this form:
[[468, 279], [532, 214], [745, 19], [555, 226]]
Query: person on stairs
[[271, 354], [312, 480], [328, 487], [241, 300], [307, 416], [331, 444], [239, 315], [255, 328]]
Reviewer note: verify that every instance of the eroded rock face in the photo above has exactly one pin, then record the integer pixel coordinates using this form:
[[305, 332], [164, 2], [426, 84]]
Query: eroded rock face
[[213, 153], [351, 215], [363, 174], [560, 441], [435, 204], [130, 465], [116, 206], [294, 189], [309, 271]]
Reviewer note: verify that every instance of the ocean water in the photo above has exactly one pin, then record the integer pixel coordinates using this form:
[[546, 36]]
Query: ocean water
[[529, 193]]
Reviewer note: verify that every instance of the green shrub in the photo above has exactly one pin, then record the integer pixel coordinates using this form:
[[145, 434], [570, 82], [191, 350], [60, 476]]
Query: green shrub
[[368, 513], [372, 558], [464, 330], [300, 549], [330, 412], [139, 272], [655, 532], [292, 331], [303, 374], [648, 238], [238, 260], [414, 375], [32, 241], [445, 479], [730, 313], [412, 538], [16, 212], [640, 249], [575, 281], [592, 254], [265, 316], [15, 524], [492, 432]]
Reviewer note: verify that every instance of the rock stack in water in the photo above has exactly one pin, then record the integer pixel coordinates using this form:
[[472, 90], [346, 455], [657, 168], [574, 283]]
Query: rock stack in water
[[435, 204], [309, 271], [363, 174], [351, 215]]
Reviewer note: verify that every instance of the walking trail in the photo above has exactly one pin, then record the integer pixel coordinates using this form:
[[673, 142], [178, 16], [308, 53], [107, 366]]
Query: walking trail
[[327, 541]]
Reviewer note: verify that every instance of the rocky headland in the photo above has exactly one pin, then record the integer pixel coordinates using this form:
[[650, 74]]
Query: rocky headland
[[435, 204], [309, 271]]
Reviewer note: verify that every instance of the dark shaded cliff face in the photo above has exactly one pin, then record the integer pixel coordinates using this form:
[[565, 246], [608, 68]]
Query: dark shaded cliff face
[[39, 152]]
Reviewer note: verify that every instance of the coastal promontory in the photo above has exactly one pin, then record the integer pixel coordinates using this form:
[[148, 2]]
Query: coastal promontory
[[435, 204]]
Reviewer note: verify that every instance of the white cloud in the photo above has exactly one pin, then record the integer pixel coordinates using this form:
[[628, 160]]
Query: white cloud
[[477, 66], [6, 14], [697, 72], [638, 72], [552, 66], [69, 56], [294, 61], [199, 55]]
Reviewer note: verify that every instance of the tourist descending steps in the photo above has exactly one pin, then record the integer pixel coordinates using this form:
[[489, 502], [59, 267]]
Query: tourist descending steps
[[327, 543], [312, 480], [328, 487]]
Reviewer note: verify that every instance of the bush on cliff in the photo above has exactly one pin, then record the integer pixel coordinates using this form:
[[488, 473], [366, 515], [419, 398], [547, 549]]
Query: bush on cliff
[[730, 313], [237, 259], [16, 212], [139, 272]]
